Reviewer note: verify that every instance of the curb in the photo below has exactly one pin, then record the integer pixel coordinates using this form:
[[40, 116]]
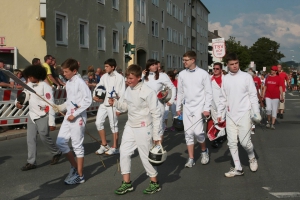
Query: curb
[[12, 134]]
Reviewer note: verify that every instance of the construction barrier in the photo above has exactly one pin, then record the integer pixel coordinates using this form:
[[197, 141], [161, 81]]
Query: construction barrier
[[11, 115]]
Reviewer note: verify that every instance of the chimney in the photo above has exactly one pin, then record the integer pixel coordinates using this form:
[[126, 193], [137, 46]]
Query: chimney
[[216, 33]]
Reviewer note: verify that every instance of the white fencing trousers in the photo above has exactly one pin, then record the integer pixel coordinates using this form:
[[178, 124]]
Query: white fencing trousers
[[241, 131], [73, 130], [103, 112], [173, 110], [162, 111], [272, 106], [136, 138], [193, 125]]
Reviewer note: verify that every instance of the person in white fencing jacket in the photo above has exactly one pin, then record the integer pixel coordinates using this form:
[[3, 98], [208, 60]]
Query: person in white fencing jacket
[[111, 85], [195, 93], [238, 98]]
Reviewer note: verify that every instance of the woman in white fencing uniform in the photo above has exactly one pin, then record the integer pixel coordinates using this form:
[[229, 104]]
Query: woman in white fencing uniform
[[158, 81]]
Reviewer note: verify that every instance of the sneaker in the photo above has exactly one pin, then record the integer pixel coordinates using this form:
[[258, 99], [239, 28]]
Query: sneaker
[[112, 151], [281, 116], [152, 188], [28, 166], [124, 188], [55, 158], [190, 163], [267, 125], [205, 157], [253, 164], [253, 131], [102, 149], [215, 144], [273, 127], [76, 179], [72, 173], [234, 172]]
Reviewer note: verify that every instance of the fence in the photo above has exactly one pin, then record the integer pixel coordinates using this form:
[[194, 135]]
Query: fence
[[11, 115]]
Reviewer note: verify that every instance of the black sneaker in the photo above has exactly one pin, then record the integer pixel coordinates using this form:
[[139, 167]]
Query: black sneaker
[[124, 188], [28, 166], [281, 116], [55, 158], [215, 144], [152, 188]]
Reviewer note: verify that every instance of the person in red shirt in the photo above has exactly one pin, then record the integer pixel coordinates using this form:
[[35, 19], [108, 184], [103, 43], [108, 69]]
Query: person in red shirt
[[284, 81], [272, 93]]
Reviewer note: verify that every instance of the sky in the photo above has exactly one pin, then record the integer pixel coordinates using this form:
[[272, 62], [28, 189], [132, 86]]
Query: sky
[[248, 20]]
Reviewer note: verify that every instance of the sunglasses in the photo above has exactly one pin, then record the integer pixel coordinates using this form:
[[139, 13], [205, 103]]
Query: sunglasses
[[216, 68]]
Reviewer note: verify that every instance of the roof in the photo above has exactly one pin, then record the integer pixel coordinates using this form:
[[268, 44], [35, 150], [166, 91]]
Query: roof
[[204, 6]]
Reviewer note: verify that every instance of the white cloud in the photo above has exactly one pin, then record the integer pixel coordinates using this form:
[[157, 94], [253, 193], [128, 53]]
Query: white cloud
[[282, 26]]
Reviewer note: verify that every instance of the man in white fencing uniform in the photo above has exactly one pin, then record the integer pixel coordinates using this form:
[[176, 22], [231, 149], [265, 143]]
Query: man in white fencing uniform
[[111, 84], [195, 93], [239, 99]]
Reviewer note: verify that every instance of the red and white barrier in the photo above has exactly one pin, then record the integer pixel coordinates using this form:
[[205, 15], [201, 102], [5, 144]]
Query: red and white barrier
[[11, 115]]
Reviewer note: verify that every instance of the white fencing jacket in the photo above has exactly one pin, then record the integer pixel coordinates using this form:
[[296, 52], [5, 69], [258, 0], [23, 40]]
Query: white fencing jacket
[[160, 83], [238, 96], [142, 105], [38, 107], [110, 81], [216, 90], [79, 93], [194, 91]]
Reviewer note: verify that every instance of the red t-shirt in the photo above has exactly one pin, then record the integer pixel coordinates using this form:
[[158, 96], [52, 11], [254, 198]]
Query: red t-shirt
[[273, 83], [257, 82], [283, 76], [175, 83]]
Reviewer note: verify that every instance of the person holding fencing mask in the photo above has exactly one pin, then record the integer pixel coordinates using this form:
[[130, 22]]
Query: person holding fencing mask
[[238, 98]]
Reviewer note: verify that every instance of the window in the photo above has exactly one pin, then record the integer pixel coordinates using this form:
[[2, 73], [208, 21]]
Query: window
[[141, 11], [155, 55], [101, 38], [155, 2], [61, 30], [198, 46], [115, 41], [188, 42], [162, 19], [173, 10], [175, 37], [188, 21], [180, 15], [101, 1], [180, 39], [162, 48], [169, 7], [154, 28], [198, 10], [184, 8], [169, 33], [198, 28], [83, 34], [174, 62], [169, 61], [115, 4]]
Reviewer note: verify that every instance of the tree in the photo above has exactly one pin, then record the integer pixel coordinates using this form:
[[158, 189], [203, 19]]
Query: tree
[[233, 46], [264, 53]]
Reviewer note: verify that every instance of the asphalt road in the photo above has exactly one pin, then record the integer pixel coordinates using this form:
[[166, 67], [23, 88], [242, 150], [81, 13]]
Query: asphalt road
[[277, 176]]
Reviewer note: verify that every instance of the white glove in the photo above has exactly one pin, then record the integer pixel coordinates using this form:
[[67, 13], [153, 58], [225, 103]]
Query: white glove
[[59, 108], [256, 118]]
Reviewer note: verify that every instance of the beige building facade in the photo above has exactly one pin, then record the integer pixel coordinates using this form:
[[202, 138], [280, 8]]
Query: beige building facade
[[87, 31]]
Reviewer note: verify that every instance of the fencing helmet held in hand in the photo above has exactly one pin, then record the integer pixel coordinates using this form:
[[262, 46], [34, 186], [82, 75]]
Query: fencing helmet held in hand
[[23, 98], [100, 92], [157, 155], [164, 95]]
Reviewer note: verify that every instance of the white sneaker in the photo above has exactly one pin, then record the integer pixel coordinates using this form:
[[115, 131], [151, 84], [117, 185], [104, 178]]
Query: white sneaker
[[72, 172], [112, 151], [253, 164], [190, 163], [102, 149], [76, 179], [234, 172], [273, 127], [268, 125], [205, 157]]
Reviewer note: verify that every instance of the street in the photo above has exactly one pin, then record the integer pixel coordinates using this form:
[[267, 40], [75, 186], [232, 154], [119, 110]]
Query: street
[[277, 152]]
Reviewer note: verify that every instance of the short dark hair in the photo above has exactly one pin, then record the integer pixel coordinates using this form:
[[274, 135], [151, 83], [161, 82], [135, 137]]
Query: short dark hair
[[71, 64], [231, 56], [35, 61], [191, 55], [218, 63], [47, 57], [135, 70], [111, 62], [35, 71]]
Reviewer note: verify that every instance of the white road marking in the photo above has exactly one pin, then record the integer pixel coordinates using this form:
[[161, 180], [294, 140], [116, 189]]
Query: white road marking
[[283, 195], [292, 94], [292, 99], [267, 188]]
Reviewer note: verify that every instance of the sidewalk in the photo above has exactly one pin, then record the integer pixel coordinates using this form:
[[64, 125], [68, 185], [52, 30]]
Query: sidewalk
[[11, 134]]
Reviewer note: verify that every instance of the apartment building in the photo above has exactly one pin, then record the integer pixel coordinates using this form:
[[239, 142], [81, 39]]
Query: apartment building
[[87, 31]]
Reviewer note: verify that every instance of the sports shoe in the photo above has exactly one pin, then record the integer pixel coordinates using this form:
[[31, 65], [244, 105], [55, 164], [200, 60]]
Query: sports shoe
[[253, 131], [190, 163], [73, 172], [55, 158], [205, 157], [124, 188], [102, 149], [112, 151], [152, 188], [234, 172], [273, 127], [281, 116], [28, 166], [253, 164], [76, 179], [267, 125]]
